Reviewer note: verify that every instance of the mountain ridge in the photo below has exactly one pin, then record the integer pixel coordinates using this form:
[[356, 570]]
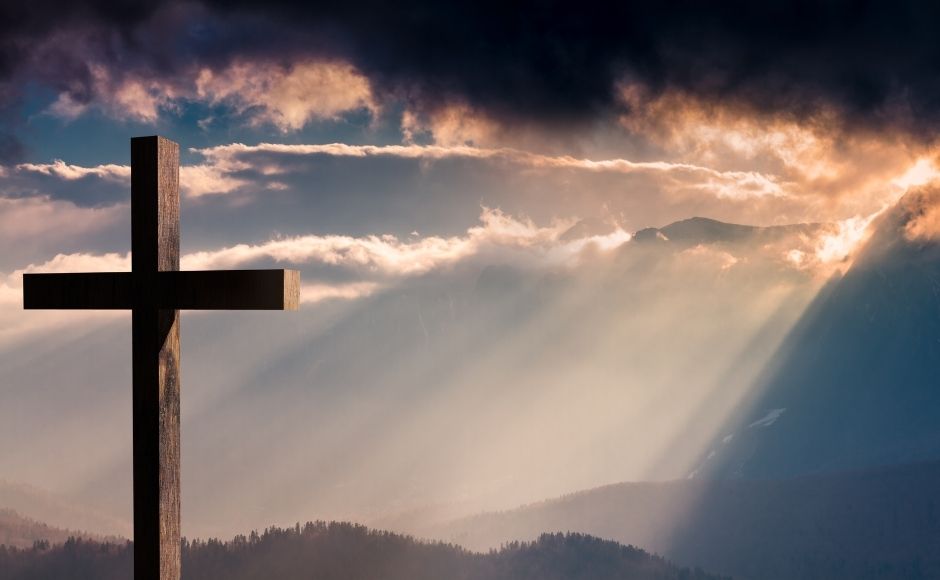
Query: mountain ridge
[[821, 526], [704, 230], [855, 381], [18, 531], [59, 511]]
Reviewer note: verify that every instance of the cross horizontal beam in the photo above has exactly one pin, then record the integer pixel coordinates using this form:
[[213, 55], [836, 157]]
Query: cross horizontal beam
[[173, 290]]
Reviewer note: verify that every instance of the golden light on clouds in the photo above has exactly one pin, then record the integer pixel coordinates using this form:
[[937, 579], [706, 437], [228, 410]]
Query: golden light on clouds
[[288, 97], [828, 171], [922, 212], [923, 171], [453, 124]]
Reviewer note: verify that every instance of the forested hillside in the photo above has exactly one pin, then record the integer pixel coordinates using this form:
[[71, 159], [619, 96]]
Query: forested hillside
[[873, 524], [339, 551], [17, 531]]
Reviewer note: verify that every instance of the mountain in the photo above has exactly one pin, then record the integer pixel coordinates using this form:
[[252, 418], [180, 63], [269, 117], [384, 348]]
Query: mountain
[[17, 531], [827, 465], [702, 230], [339, 551], [57, 511], [855, 384], [875, 524]]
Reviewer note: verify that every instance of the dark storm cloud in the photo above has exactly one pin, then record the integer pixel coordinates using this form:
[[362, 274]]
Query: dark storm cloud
[[24, 26], [547, 63], [563, 61]]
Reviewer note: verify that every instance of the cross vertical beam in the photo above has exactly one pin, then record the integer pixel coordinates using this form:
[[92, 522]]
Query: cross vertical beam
[[156, 355], [155, 291]]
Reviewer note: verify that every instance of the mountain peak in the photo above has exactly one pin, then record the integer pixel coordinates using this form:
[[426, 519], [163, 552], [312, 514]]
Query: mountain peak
[[702, 230]]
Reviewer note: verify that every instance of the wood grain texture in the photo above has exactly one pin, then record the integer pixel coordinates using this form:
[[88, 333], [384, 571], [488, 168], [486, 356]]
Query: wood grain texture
[[156, 356], [155, 205], [291, 289]]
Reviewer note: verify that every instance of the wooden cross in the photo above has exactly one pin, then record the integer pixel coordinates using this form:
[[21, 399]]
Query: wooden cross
[[155, 290]]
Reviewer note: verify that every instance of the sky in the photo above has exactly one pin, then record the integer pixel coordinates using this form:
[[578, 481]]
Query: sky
[[460, 185]]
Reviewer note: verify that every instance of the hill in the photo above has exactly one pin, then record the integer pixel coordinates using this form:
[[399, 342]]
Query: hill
[[339, 551], [881, 523], [57, 511], [854, 385], [17, 531]]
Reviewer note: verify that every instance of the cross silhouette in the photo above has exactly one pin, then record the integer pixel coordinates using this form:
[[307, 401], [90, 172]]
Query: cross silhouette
[[155, 290]]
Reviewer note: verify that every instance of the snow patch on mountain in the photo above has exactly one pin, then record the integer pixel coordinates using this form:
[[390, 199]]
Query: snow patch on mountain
[[769, 419]]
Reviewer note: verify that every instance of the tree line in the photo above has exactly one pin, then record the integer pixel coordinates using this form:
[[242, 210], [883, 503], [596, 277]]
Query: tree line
[[343, 551]]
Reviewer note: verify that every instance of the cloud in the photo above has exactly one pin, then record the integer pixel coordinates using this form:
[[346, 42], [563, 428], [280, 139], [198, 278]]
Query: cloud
[[123, 96], [287, 97], [263, 92], [195, 180], [15, 323], [721, 184], [349, 268], [79, 262], [313, 293], [225, 166], [198, 180], [452, 124], [710, 257], [376, 261], [24, 218], [95, 186], [731, 169], [563, 64], [387, 255], [922, 213], [68, 172], [38, 225], [829, 174], [830, 249], [840, 243]]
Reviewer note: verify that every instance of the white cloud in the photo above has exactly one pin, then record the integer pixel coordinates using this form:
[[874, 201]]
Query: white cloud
[[848, 234], [15, 323], [195, 180], [313, 293], [378, 260], [388, 255], [721, 184], [217, 175], [80, 262], [68, 172], [203, 179], [834, 246]]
